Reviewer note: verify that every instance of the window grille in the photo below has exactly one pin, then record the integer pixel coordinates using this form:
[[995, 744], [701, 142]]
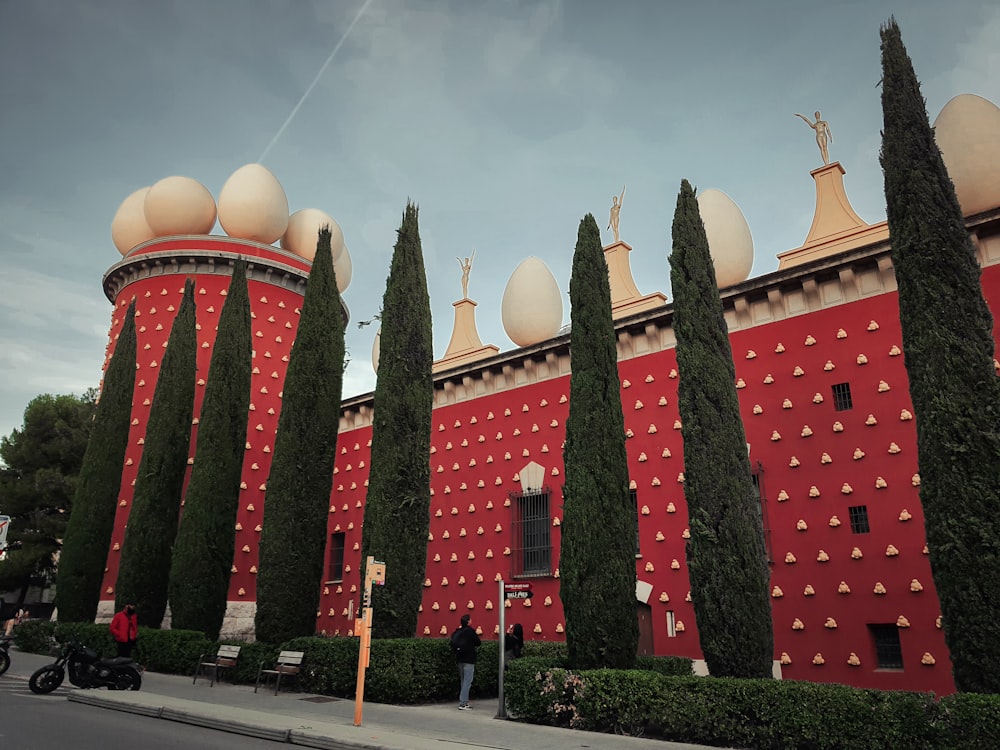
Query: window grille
[[888, 650], [858, 515], [335, 571], [634, 499], [531, 553], [757, 475], [842, 397]]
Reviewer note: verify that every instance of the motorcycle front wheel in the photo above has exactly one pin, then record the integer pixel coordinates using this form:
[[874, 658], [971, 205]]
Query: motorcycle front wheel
[[129, 679], [46, 679], [4, 661]]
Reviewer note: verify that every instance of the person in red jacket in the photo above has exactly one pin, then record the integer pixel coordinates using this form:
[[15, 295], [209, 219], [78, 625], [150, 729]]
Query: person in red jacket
[[125, 630]]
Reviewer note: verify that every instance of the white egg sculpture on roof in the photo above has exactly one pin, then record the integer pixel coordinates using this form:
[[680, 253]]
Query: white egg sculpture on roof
[[532, 308], [968, 133], [303, 230], [179, 205], [129, 227], [729, 240], [344, 268], [376, 349], [253, 205]]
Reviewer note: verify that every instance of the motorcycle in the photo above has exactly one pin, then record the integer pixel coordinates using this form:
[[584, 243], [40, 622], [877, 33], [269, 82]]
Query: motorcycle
[[87, 670], [4, 654]]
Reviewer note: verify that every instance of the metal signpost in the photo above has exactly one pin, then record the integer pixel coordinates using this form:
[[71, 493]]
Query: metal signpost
[[374, 573], [521, 590]]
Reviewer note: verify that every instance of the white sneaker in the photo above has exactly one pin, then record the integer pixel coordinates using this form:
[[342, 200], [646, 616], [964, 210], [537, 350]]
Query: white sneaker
[[464, 707]]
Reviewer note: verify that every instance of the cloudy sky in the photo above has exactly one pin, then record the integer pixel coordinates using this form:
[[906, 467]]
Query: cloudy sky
[[506, 121]]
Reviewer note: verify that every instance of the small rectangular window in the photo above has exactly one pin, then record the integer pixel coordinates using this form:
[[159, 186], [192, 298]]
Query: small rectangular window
[[634, 499], [888, 650], [532, 543], [842, 397], [335, 570], [671, 624], [757, 476], [858, 515]]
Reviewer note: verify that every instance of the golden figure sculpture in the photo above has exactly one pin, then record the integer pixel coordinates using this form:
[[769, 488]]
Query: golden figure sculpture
[[616, 208], [466, 265], [823, 134]]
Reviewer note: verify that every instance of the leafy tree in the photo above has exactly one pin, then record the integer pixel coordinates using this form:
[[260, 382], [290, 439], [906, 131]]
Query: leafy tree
[[947, 339], [152, 524], [293, 540], [203, 554], [397, 508], [597, 555], [95, 502], [727, 562], [41, 465]]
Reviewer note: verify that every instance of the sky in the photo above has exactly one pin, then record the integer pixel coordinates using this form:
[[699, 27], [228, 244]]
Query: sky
[[505, 121]]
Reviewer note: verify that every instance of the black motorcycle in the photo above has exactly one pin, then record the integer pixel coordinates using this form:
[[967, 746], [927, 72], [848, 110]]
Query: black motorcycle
[[87, 670], [4, 654]]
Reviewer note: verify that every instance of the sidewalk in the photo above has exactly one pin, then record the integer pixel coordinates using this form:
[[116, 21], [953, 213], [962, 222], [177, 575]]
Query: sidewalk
[[323, 722]]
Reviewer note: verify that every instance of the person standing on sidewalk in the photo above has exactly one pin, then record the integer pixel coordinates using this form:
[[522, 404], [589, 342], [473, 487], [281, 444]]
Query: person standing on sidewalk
[[464, 643], [125, 630]]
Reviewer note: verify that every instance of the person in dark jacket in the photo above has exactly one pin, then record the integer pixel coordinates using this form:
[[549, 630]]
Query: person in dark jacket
[[464, 642], [125, 630], [513, 643]]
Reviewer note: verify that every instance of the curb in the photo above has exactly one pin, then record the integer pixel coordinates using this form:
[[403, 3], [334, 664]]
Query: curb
[[301, 736]]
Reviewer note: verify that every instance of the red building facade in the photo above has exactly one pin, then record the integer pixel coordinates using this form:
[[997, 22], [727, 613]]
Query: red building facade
[[825, 403]]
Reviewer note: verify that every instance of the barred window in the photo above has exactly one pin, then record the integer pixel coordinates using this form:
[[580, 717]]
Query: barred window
[[888, 650], [335, 569], [858, 515], [634, 499], [757, 477], [531, 553], [842, 397]]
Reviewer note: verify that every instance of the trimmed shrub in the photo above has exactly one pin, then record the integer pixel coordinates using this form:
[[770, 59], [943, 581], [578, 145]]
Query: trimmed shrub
[[35, 636]]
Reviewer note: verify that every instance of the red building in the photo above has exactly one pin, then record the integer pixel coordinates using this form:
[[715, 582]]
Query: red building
[[825, 403]]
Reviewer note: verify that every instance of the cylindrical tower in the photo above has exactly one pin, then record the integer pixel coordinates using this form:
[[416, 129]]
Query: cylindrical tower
[[153, 274]]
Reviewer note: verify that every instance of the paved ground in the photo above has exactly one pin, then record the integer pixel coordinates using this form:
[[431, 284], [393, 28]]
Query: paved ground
[[321, 722]]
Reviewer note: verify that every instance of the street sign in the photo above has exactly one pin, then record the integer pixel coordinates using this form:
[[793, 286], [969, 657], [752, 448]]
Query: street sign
[[518, 590], [519, 594]]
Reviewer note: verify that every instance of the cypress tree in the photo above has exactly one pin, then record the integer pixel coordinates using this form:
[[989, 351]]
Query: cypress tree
[[948, 344], [152, 524], [293, 540], [95, 502], [727, 563], [397, 508], [203, 554], [597, 553]]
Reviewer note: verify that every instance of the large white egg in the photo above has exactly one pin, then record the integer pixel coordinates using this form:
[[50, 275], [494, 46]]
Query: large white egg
[[179, 205], [253, 205], [729, 240], [344, 269], [968, 133], [303, 231], [532, 309], [376, 349], [129, 227]]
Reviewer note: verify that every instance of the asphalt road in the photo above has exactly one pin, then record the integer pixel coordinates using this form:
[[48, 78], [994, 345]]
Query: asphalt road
[[50, 722]]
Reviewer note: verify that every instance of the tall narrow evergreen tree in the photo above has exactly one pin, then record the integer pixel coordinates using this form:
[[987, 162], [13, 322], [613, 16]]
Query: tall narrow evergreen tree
[[293, 540], [597, 553], [203, 555], [95, 502], [152, 523], [727, 562], [948, 344], [397, 508]]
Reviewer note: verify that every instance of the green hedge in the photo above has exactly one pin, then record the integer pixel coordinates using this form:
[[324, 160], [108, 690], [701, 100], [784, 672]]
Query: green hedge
[[748, 713]]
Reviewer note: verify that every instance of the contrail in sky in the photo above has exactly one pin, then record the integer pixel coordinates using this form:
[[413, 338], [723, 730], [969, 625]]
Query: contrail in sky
[[315, 80]]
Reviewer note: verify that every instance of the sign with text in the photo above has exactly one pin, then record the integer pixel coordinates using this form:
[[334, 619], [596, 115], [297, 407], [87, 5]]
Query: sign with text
[[517, 591]]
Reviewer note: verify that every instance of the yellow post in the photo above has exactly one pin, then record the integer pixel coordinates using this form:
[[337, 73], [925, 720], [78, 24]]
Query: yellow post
[[374, 573]]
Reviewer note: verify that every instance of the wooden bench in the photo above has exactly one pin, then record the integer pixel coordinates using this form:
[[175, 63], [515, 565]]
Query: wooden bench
[[288, 665], [226, 658]]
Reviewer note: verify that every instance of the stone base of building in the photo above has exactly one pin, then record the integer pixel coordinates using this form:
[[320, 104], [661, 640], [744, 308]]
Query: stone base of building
[[238, 623]]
